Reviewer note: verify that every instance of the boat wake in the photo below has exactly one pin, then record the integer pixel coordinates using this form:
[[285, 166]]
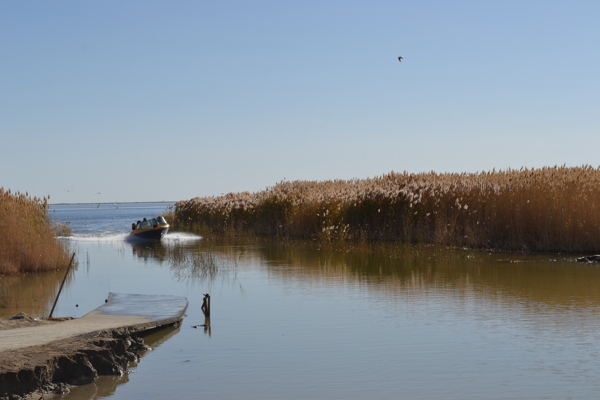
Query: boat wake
[[181, 236], [112, 237], [124, 237]]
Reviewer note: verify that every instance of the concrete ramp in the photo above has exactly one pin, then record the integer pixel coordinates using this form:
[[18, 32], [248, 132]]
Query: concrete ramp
[[131, 312]]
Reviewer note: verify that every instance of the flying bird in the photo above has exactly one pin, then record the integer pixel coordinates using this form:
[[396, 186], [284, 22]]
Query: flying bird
[[400, 59]]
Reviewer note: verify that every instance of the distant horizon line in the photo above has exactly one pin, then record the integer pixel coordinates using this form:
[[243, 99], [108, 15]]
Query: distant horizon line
[[112, 202]]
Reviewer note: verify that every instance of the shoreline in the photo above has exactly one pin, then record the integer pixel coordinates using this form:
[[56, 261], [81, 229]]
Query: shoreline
[[41, 356], [52, 368]]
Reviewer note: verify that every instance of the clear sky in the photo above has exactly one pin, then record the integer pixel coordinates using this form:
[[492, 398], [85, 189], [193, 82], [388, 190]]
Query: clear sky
[[169, 100]]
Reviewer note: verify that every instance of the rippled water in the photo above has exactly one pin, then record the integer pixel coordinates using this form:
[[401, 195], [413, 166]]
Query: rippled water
[[293, 323]]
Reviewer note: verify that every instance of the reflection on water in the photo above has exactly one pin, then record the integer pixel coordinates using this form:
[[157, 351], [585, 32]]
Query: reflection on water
[[104, 386], [32, 294], [205, 326], [291, 322], [187, 260], [532, 280], [540, 283], [296, 322], [539, 287]]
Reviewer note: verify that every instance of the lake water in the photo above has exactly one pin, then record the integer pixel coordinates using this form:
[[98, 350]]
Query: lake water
[[294, 323]]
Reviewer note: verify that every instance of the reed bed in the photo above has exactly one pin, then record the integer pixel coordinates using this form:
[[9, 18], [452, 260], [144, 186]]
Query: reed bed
[[27, 240], [546, 210]]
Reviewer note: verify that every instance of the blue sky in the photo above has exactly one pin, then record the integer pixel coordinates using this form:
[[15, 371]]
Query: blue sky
[[169, 100]]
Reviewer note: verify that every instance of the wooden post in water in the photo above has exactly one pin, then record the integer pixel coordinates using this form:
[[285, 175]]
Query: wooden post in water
[[207, 325], [62, 284], [206, 305]]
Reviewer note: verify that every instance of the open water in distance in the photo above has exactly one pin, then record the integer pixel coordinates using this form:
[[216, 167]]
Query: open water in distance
[[292, 323]]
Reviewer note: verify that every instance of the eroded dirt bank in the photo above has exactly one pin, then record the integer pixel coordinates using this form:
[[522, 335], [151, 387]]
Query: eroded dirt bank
[[32, 371]]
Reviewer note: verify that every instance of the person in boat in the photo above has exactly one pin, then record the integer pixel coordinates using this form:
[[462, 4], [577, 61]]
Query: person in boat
[[133, 225]]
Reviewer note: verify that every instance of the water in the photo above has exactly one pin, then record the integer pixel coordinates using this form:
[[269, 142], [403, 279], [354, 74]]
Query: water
[[289, 322], [104, 219]]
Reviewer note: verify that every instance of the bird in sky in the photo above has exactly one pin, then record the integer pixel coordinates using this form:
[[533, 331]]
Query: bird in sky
[[400, 59]]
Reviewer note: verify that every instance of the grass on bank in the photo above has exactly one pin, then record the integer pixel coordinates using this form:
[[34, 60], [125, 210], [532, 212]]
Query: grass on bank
[[547, 209], [27, 240]]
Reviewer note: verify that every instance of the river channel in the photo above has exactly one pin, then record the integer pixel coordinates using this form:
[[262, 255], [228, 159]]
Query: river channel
[[288, 322]]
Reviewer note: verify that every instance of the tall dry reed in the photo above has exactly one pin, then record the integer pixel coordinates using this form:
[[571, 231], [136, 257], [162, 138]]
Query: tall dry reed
[[547, 209], [27, 241]]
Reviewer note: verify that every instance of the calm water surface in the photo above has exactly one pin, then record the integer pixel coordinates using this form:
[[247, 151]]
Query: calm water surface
[[292, 323]]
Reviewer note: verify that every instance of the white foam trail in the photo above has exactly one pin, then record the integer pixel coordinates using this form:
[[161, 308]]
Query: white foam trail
[[119, 237], [181, 236]]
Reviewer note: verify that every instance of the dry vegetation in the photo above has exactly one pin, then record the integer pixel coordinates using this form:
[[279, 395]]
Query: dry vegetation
[[27, 241], [548, 209]]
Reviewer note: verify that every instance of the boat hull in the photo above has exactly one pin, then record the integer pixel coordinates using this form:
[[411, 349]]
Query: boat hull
[[151, 233]]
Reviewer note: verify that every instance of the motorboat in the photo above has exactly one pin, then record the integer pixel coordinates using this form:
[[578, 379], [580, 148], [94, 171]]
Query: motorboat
[[150, 229]]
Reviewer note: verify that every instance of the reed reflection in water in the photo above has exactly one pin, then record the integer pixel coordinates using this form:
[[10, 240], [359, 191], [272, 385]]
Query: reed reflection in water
[[188, 262], [32, 294], [407, 322], [532, 280]]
